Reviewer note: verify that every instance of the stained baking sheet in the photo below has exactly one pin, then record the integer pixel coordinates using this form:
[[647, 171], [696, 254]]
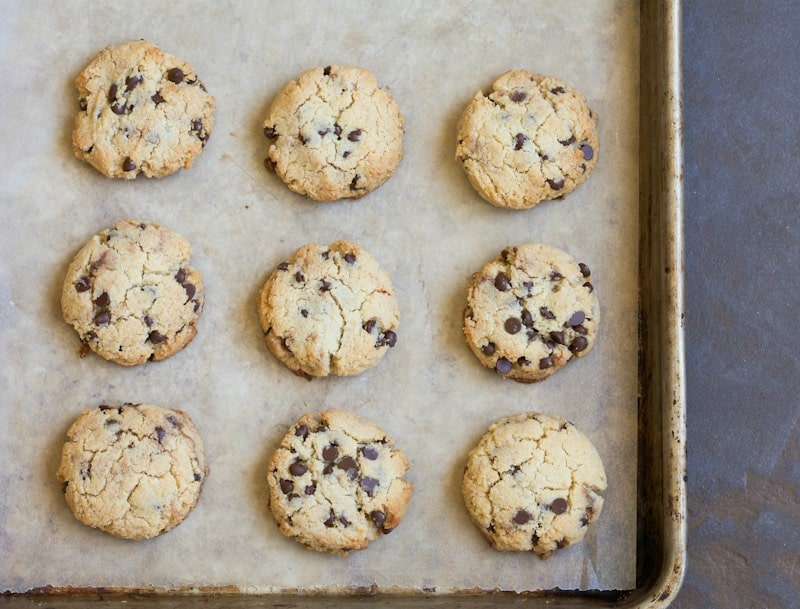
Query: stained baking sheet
[[426, 226]]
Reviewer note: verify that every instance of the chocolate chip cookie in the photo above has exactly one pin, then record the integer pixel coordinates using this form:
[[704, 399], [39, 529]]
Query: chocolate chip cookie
[[533, 483], [134, 471], [530, 311], [531, 139], [334, 134], [336, 482], [131, 294], [141, 112], [329, 310]]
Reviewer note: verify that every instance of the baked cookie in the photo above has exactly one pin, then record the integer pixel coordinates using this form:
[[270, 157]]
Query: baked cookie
[[134, 471], [334, 134], [131, 295], [329, 310], [530, 311], [533, 483], [336, 482], [142, 111], [531, 139]]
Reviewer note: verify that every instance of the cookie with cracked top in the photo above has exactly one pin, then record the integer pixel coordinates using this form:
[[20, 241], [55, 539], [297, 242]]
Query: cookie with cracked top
[[329, 310], [533, 483], [336, 482], [134, 471], [530, 311], [533, 138], [141, 112], [131, 294], [334, 134]]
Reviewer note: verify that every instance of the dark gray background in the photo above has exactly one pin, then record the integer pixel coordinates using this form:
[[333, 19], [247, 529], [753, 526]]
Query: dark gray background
[[742, 167]]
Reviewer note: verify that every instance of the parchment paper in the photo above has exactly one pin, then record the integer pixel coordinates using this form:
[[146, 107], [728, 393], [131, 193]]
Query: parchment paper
[[426, 226]]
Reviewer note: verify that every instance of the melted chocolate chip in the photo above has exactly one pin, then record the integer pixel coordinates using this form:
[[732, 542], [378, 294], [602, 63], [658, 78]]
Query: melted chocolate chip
[[567, 142], [587, 151], [83, 284], [369, 326], [103, 318], [584, 269], [577, 319], [503, 366], [546, 362], [518, 96], [558, 337], [512, 325], [157, 99], [349, 465], [370, 452], [103, 300], [561, 543], [369, 485], [531, 334], [523, 361], [519, 141], [390, 338], [488, 349], [354, 135], [112, 92], [377, 517], [190, 290], [297, 468], [527, 318], [555, 184], [156, 337], [502, 282], [160, 433], [331, 520], [132, 82], [148, 321], [330, 452], [175, 75], [287, 486], [310, 489], [128, 164], [521, 517], [121, 109], [559, 506], [325, 286], [349, 258], [344, 521], [354, 182], [580, 329], [546, 313], [301, 431], [578, 344], [589, 287]]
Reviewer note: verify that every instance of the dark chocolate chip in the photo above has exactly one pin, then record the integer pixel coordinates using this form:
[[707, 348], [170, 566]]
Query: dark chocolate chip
[[555, 275], [190, 291], [83, 284], [128, 164], [377, 517], [488, 349], [112, 92], [370, 452], [512, 325], [518, 96], [325, 286], [156, 337], [287, 486], [555, 184], [132, 82], [331, 520], [577, 319], [580, 329], [587, 151], [160, 433], [369, 485], [103, 300], [503, 366], [354, 182], [557, 90], [328, 469], [196, 306], [349, 258], [345, 154], [523, 361], [522, 516], [157, 99], [310, 489], [197, 124], [198, 477], [330, 452], [558, 337], [527, 318], [326, 71], [546, 313], [121, 109], [302, 138], [578, 344], [349, 465], [82, 103], [369, 326], [559, 506], [175, 75], [584, 269], [337, 130], [297, 468], [546, 362], [344, 521], [531, 334], [519, 141], [354, 135], [298, 277], [584, 520], [390, 337], [567, 142], [502, 282], [323, 132], [102, 318], [589, 287], [561, 543], [148, 321], [301, 431], [270, 132], [304, 312], [283, 266], [325, 255]]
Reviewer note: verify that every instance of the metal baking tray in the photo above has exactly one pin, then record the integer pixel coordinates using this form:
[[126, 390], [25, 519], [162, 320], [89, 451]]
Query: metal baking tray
[[661, 498]]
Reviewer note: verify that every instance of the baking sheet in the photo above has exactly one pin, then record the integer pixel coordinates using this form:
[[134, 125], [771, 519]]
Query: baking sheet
[[426, 226]]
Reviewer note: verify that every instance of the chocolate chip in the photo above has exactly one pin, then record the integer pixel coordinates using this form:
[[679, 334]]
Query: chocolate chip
[[559, 506], [502, 282], [349, 465], [337, 130], [297, 468], [369, 485], [102, 318], [270, 132], [330, 452], [325, 286], [112, 93], [287, 486], [527, 318], [370, 452], [160, 433], [518, 96], [523, 361], [83, 285], [557, 90], [328, 469], [349, 258], [175, 75], [156, 337], [512, 325], [587, 151], [584, 520], [578, 344], [589, 287], [303, 139], [301, 431], [354, 135], [198, 477], [531, 334], [326, 71], [546, 362], [522, 516], [555, 275], [519, 141], [584, 269], [546, 313], [503, 366], [121, 109], [569, 141], [103, 300], [370, 325], [577, 319], [390, 338], [283, 266], [555, 184], [132, 82], [561, 543], [82, 103], [345, 154], [190, 290], [488, 349], [298, 277], [354, 182], [331, 520], [197, 124], [344, 521], [310, 489], [128, 164], [377, 517], [557, 337], [323, 132], [580, 329], [325, 255], [304, 312], [157, 99]]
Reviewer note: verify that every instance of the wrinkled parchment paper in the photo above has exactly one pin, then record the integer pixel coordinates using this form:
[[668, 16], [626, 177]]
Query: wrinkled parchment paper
[[426, 226]]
